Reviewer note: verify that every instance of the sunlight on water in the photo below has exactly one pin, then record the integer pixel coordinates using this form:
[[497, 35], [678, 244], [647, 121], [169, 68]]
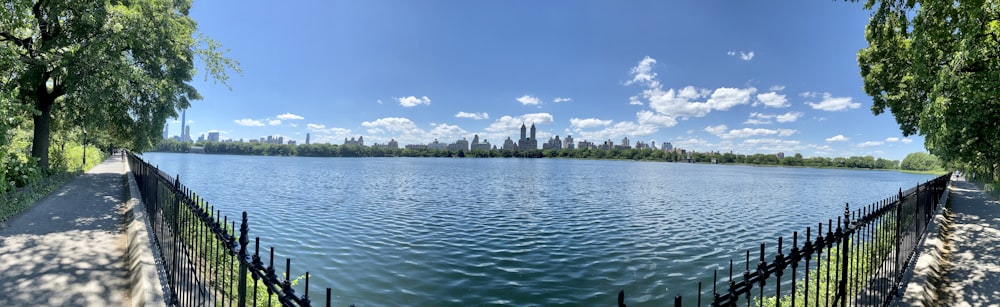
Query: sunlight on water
[[441, 231]]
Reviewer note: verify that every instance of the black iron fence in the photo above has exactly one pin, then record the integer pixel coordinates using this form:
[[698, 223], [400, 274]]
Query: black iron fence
[[859, 260], [206, 256]]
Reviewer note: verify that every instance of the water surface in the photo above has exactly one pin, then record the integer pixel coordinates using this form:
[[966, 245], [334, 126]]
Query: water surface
[[542, 232]]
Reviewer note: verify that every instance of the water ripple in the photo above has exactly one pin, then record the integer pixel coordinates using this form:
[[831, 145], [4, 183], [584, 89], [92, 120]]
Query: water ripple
[[453, 232]]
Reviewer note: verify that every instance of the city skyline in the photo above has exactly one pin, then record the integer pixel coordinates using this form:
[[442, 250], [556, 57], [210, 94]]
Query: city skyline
[[743, 77]]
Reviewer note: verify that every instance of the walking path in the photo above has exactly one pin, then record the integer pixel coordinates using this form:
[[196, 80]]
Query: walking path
[[67, 249], [973, 264]]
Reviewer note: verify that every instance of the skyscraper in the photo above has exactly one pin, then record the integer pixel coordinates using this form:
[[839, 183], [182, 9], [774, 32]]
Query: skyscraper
[[307, 139]]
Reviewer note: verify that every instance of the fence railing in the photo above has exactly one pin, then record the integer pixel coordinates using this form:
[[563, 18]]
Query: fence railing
[[857, 261], [206, 256]]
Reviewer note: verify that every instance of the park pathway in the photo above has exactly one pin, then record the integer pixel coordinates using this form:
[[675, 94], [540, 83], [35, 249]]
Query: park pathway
[[67, 249], [972, 273]]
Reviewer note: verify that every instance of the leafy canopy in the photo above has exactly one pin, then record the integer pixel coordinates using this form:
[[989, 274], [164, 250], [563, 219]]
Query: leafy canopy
[[936, 66], [118, 67]]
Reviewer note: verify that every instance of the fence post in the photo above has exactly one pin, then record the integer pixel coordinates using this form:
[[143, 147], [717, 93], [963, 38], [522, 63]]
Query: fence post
[[244, 240], [844, 246]]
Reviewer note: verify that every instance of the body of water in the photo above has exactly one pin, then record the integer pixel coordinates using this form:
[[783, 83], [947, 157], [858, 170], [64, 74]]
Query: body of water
[[449, 231]]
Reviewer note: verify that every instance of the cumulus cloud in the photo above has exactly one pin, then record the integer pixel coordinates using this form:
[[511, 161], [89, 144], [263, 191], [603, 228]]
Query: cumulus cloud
[[788, 117], [290, 116], [616, 131], [891, 140], [648, 118], [869, 144], [830, 103], [476, 116], [837, 138], [248, 122], [562, 99], [749, 132], [528, 100], [906, 141], [392, 124], [509, 123], [315, 126], [772, 100], [412, 101], [716, 130], [746, 56], [634, 100], [274, 122], [776, 88], [643, 73], [667, 106], [588, 123]]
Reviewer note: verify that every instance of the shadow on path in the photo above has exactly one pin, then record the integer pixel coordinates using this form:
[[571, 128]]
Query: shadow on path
[[973, 269], [67, 249]]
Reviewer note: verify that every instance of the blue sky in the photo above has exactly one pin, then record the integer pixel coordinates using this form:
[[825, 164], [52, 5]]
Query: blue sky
[[742, 76]]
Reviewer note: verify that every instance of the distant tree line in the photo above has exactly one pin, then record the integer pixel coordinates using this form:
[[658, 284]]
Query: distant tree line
[[330, 150]]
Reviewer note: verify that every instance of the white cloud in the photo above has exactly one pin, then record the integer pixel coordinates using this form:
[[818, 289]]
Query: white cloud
[[749, 132], [290, 116], [891, 140], [274, 122], [788, 117], [906, 141], [249, 122], [869, 144], [716, 130], [528, 100], [447, 133], [413, 101], [776, 88], [507, 124], [643, 73], [315, 126], [648, 118], [562, 99], [588, 123], [830, 103], [392, 124], [379, 101], [760, 119], [837, 138], [634, 100], [476, 116], [772, 99], [616, 131], [746, 56], [724, 98]]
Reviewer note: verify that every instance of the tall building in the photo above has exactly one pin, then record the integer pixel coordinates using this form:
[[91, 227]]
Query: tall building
[[307, 139], [166, 131], [185, 129], [526, 143], [213, 136], [568, 142], [485, 145], [508, 144]]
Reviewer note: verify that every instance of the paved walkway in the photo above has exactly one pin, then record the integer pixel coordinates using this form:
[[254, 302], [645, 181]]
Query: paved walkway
[[67, 249], [973, 267]]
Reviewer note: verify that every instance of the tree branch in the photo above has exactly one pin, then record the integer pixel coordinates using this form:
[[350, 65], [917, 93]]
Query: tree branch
[[24, 43]]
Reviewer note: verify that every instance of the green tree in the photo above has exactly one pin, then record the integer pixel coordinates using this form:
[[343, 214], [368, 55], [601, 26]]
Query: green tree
[[121, 67], [936, 66], [920, 161]]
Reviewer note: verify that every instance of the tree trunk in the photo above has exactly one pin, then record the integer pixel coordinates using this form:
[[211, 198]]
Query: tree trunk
[[43, 123]]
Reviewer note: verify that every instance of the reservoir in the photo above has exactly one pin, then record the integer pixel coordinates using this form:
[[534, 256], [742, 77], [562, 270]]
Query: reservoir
[[525, 232]]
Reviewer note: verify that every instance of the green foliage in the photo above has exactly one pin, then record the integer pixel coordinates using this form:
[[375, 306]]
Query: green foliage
[[920, 161], [936, 66], [118, 68]]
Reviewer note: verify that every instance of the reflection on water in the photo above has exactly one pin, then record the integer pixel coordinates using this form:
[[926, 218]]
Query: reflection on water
[[448, 231]]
